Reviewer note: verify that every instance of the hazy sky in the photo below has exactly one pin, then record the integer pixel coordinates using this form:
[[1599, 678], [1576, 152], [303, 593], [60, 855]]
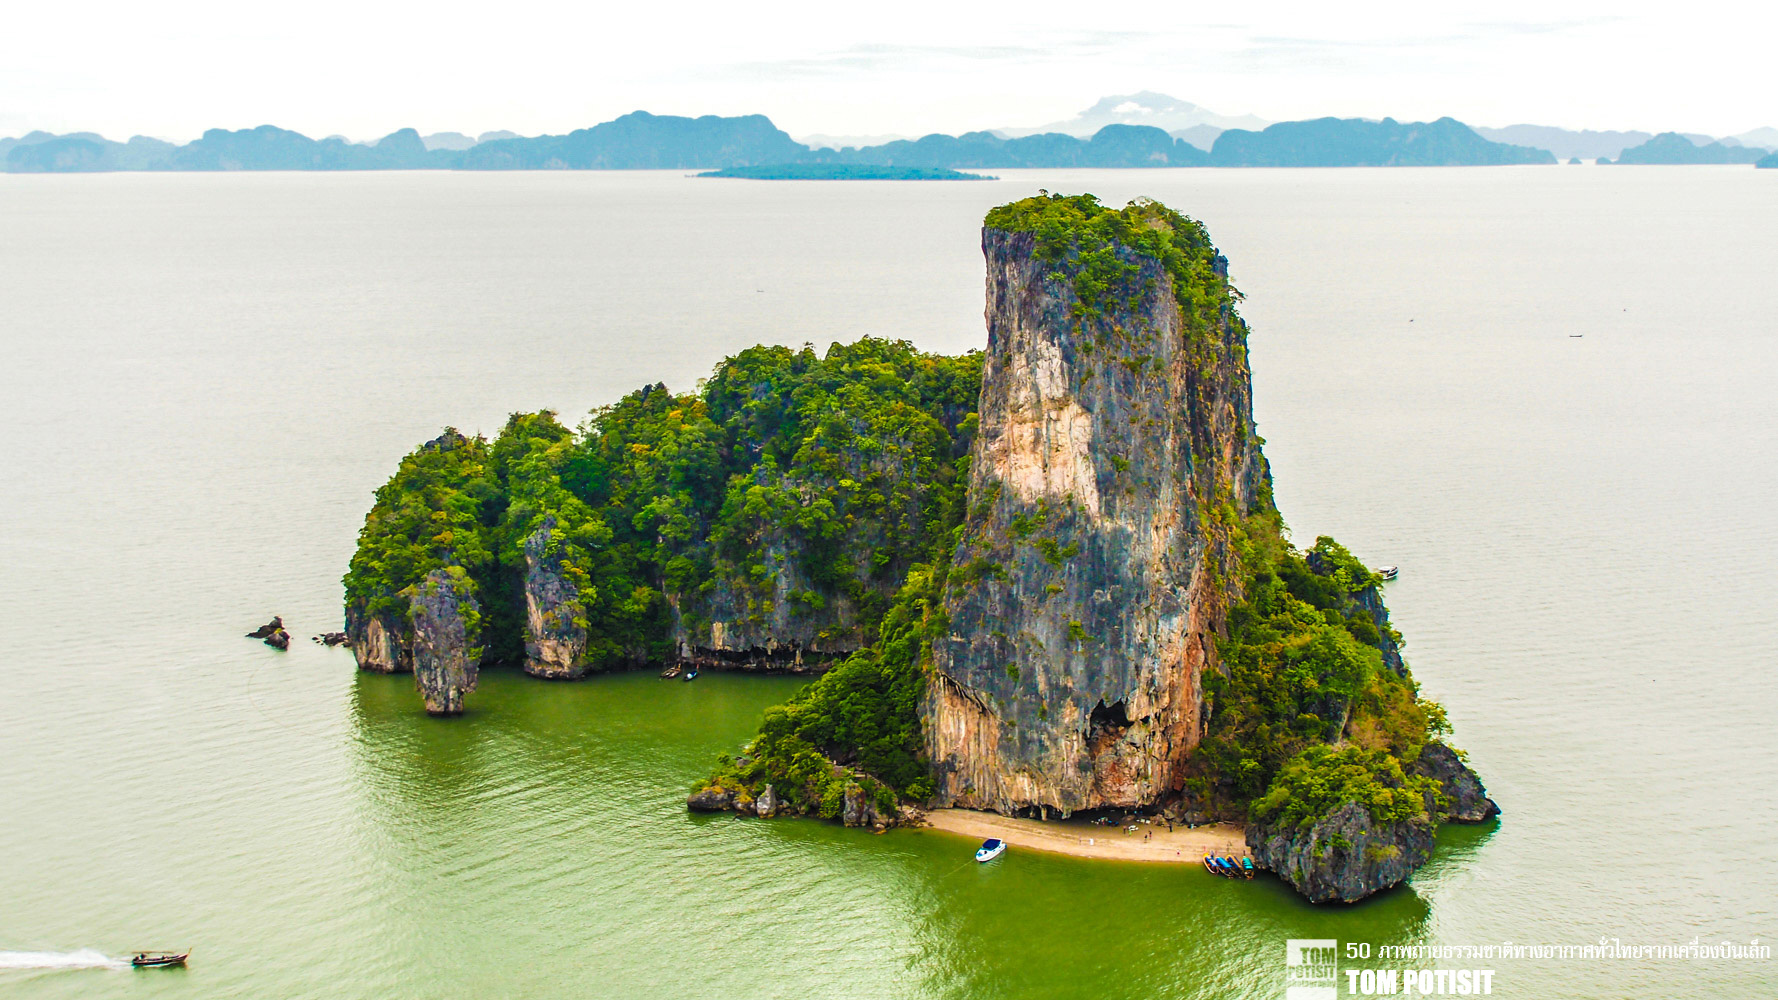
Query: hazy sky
[[366, 67]]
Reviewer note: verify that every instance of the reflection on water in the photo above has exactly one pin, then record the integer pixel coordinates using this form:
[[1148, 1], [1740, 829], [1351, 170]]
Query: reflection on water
[[561, 806]]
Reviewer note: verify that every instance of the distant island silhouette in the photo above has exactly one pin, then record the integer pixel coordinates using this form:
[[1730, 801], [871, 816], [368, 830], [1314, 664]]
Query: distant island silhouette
[[643, 141]]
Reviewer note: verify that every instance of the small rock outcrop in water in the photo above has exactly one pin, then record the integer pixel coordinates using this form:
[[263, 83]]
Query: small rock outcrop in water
[[444, 664], [278, 640], [713, 799], [331, 639], [1345, 856], [1376, 820], [265, 631], [767, 803], [555, 624]]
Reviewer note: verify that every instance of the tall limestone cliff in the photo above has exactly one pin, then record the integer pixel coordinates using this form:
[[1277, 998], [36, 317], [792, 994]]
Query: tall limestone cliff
[[379, 640], [445, 661], [1116, 450], [425, 519], [555, 624]]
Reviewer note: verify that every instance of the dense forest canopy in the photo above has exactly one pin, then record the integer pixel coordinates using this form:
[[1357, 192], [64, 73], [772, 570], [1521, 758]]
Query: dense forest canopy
[[847, 463]]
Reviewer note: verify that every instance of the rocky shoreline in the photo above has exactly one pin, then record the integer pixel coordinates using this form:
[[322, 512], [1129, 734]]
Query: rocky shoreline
[[1344, 857], [1348, 855], [860, 808]]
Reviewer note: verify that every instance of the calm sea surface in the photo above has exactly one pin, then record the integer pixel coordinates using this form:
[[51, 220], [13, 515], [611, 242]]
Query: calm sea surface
[[1549, 394]]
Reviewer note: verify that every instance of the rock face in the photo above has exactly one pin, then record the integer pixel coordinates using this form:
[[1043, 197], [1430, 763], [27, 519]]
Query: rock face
[[555, 625], [1348, 855], [1345, 856], [767, 803], [769, 624], [445, 667], [265, 631], [791, 638], [1370, 599], [711, 800], [1468, 800], [380, 642], [860, 809], [279, 639], [1113, 452]]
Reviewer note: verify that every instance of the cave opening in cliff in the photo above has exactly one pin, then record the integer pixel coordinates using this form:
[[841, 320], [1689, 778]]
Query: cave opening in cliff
[[1106, 725]]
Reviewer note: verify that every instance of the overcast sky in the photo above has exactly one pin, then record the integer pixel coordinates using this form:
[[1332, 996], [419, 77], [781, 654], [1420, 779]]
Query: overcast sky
[[365, 67]]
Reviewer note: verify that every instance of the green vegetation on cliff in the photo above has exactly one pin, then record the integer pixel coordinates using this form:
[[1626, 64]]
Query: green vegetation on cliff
[[1322, 778], [857, 468], [839, 472], [528, 459], [430, 515], [1091, 244], [859, 722], [1303, 667], [651, 468]]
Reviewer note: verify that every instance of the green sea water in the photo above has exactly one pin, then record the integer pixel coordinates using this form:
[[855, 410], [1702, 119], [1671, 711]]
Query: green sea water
[[206, 377]]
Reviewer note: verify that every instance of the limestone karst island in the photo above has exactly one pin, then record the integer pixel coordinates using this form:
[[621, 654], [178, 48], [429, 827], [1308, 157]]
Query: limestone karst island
[[1042, 581]]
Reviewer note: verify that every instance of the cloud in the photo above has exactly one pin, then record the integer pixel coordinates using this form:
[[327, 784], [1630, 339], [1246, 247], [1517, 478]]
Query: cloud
[[880, 57], [1544, 27], [1474, 32]]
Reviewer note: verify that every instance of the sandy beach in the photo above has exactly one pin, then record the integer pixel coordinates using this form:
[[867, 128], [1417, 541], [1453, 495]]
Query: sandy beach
[[1151, 841]]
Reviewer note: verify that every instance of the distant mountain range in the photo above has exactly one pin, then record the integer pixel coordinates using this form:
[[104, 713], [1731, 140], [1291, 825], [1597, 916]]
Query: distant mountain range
[[1673, 148], [645, 141], [1125, 131], [1181, 119], [458, 141], [1565, 144], [1589, 145], [1170, 114], [1355, 142]]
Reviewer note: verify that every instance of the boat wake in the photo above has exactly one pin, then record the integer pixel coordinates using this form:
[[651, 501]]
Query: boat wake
[[85, 958]]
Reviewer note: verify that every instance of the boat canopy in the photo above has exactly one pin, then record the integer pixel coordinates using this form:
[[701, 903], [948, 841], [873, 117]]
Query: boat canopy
[[990, 844]]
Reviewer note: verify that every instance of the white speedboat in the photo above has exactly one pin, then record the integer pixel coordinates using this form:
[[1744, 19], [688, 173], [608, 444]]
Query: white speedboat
[[990, 850], [1388, 572]]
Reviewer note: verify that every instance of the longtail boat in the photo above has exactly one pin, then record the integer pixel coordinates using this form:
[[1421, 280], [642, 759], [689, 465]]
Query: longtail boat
[[158, 959]]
